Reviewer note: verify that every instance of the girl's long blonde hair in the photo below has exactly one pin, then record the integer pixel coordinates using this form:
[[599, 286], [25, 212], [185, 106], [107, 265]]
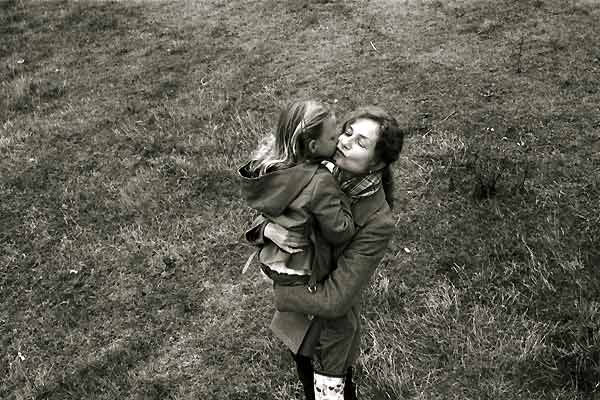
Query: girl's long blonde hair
[[299, 123]]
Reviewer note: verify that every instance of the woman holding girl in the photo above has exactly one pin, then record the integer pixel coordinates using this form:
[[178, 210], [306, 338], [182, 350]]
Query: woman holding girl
[[369, 143]]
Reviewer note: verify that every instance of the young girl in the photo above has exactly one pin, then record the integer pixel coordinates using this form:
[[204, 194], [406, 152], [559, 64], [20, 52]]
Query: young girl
[[287, 184]]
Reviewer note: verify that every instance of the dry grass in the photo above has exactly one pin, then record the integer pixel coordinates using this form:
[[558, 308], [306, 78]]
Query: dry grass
[[122, 123]]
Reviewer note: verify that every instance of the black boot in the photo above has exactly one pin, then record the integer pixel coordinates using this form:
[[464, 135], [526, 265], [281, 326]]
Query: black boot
[[350, 390], [306, 374]]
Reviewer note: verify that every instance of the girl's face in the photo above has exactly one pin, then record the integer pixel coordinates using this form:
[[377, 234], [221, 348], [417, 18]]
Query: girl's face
[[356, 147], [326, 144]]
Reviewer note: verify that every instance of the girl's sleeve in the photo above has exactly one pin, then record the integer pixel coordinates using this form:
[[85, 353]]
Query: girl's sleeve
[[255, 234], [331, 209], [335, 296]]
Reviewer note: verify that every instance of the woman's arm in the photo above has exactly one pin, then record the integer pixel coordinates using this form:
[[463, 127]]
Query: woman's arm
[[338, 292]]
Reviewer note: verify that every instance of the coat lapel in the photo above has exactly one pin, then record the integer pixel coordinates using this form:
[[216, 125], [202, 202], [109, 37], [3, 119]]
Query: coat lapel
[[367, 206]]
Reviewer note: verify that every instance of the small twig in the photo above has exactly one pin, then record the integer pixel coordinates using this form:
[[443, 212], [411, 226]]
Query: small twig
[[426, 182], [417, 164], [373, 46], [435, 125], [449, 115]]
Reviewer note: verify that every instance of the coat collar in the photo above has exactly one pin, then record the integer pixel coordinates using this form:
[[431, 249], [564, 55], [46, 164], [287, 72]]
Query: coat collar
[[367, 206]]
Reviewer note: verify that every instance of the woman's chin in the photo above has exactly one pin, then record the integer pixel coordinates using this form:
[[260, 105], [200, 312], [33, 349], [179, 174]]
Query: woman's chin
[[348, 169], [338, 161]]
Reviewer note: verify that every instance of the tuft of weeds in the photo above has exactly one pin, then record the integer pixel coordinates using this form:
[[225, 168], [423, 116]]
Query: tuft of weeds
[[48, 89], [19, 96], [24, 94], [487, 173]]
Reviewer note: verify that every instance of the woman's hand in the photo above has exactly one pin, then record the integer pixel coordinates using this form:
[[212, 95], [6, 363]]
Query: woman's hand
[[286, 240]]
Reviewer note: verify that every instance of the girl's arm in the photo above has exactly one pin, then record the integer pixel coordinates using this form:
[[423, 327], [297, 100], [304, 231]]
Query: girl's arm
[[331, 209], [256, 233], [338, 292]]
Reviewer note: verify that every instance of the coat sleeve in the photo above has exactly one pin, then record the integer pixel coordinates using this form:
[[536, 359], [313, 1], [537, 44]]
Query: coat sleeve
[[331, 209], [255, 234], [335, 296]]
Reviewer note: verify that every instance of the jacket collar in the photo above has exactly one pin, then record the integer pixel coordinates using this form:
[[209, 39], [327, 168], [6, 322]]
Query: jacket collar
[[367, 206]]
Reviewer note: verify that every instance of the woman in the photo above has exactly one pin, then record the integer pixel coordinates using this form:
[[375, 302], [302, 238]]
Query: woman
[[370, 141]]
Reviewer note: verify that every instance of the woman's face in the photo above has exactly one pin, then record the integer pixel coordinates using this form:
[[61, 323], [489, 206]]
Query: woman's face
[[356, 147]]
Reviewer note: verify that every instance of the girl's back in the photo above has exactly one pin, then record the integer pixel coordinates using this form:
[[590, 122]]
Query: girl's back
[[288, 185], [304, 199]]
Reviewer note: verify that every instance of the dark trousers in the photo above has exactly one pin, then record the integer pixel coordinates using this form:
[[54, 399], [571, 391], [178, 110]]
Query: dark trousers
[[306, 372], [334, 343]]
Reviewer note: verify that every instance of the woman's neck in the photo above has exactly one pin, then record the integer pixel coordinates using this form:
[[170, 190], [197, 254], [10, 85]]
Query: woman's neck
[[345, 175]]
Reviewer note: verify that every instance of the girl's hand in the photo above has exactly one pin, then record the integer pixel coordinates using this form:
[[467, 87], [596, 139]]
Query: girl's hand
[[285, 239]]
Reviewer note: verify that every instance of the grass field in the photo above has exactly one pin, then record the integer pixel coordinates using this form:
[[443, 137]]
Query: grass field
[[121, 127]]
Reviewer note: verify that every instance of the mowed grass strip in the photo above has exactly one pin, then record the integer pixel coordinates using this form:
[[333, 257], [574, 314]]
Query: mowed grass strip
[[122, 123]]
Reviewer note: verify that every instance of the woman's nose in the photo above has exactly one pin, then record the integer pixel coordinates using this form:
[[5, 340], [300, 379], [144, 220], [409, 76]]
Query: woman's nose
[[343, 141]]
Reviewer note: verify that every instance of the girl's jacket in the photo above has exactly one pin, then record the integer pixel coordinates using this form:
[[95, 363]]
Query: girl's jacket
[[305, 198]]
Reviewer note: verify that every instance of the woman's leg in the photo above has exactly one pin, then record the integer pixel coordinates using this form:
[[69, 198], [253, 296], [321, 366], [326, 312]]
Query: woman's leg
[[306, 374], [303, 359], [336, 347], [350, 392], [338, 352]]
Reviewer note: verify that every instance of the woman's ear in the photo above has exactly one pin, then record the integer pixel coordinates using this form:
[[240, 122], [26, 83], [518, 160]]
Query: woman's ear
[[312, 146]]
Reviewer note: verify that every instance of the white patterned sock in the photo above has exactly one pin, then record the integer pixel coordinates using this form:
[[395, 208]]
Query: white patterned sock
[[329, 387]]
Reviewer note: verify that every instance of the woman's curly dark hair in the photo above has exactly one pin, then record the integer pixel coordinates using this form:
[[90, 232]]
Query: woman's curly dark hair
[[389, 143]]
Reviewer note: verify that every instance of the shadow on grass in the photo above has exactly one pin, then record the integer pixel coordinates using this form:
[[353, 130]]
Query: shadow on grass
[[28, 46], [99, 362], [43, 187], [108, 375], [548, 286], [571, 357], [92, 18], [216, 185]]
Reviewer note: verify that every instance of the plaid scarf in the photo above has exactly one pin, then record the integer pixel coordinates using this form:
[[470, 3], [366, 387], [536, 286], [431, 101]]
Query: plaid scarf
[[358, 186]]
